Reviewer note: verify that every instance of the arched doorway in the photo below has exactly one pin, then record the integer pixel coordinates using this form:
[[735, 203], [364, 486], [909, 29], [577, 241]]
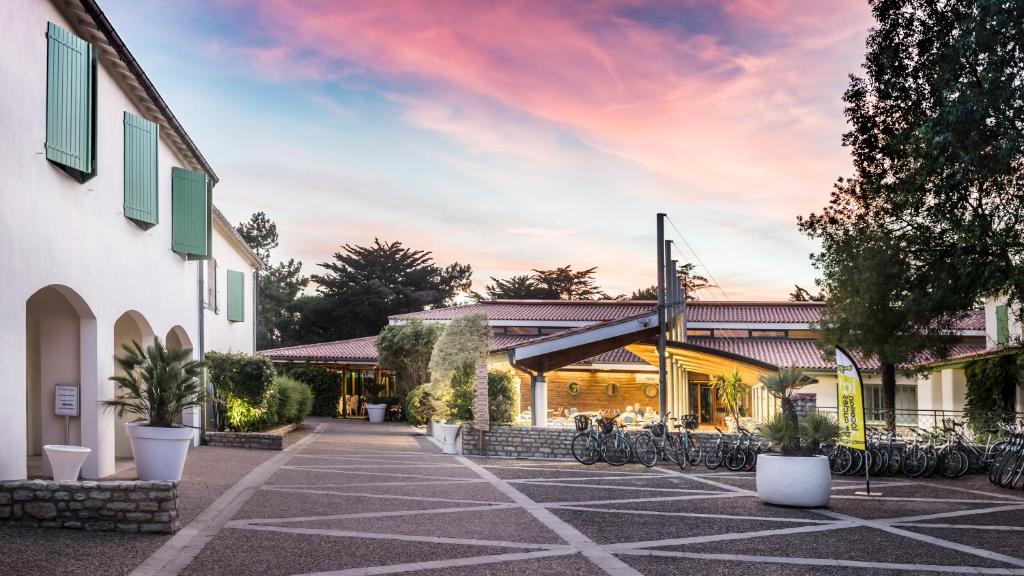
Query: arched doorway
[[60, 337], [178, 338], [129, 327]]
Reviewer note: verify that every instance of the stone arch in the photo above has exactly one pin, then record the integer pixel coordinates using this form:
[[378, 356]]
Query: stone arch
[[130, 327]]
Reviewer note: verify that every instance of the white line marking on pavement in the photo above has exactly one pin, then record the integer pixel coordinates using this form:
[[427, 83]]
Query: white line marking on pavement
[[399, 537], [615, 487], [273, 488], [690, 514], [959, 526], [953, 514], [704, 496], [729, 536], [178, 552], [603, 559], [237, 523], [703, 480], [824, 562], [441, 564]]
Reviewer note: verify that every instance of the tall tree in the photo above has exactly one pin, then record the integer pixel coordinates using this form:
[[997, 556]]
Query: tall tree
[[363, 285], [564, 283], [521, 287], [801, 294], [691, 281], [938, 192], [279, 284], [407, 348]]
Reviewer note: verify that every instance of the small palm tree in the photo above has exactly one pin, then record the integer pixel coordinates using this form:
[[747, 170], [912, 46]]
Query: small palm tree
[[731, 390], [795, 438], [781, 385], [158, 383]]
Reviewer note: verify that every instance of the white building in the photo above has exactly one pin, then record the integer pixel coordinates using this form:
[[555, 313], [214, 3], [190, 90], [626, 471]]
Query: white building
[[108, 234]]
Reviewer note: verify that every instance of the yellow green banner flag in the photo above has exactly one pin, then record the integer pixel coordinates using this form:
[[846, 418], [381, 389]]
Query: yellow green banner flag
[[850, 395]]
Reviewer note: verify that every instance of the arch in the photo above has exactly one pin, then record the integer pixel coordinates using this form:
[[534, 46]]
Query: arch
[[60, 338], [177, 337], [129, 327]]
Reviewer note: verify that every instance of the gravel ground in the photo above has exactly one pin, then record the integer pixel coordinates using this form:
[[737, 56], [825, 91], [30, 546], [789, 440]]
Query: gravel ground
[[356, 498]]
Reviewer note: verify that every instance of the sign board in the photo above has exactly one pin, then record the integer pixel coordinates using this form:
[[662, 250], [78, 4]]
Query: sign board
[[65, 400], [481, 407], [651, 378], [850, 399]]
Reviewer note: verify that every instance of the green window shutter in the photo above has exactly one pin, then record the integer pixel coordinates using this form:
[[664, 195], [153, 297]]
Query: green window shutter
[[1002, 325], [140, 170], [70, 111], [236, 296], [190, 213]]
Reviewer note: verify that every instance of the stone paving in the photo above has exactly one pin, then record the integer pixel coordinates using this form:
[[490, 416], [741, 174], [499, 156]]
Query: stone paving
[[357, 499]]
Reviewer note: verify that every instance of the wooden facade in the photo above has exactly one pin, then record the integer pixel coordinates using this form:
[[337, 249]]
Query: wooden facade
[[598, 390]]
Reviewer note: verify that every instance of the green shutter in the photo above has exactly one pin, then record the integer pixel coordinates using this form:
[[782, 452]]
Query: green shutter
[[190, 213], [70, 114], [140, 170], [1002, 325], [236, 296]]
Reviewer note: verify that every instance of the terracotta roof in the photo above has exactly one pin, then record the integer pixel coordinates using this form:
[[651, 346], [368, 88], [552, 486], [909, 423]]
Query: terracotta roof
[[539, 310], [758, 312], [981, 352], [800, 353], [617, 356], [355, 350]]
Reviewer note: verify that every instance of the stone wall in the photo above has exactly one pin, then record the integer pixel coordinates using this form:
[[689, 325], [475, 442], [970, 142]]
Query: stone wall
[[122, 506], [529, 442], [270, 440]]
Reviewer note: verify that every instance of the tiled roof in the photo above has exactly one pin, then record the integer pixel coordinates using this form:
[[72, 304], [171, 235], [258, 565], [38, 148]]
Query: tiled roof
[[539, 310], [800, 353], [355, 350], [780, 312], [617, 356]]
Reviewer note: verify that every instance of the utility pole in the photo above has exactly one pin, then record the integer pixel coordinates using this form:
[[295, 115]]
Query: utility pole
[[662, 379]]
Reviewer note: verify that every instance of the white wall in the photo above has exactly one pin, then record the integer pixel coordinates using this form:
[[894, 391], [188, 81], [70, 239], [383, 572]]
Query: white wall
[[221, 334], [991, 335], [54, 230]]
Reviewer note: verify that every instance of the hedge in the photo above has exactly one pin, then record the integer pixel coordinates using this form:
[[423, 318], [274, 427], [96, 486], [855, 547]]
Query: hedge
[[325, 385]]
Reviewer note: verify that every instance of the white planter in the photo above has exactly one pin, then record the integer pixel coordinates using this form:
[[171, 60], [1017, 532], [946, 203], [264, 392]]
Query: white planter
[[66, 461], [794, 480], [376, 412], [449, 432], [159, 452]]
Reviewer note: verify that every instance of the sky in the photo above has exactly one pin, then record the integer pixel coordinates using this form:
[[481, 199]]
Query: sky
[[520, 134]]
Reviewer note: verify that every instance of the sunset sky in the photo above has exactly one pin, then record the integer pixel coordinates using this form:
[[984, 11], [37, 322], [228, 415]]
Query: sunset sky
[[519, 135]]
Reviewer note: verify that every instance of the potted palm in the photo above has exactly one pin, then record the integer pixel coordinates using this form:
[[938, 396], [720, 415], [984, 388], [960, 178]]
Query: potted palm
[[375, 409], [157, 385], [731, 392], [798, 475]]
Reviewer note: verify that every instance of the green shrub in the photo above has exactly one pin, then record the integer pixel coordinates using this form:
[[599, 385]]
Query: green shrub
[[324, 384], [413, 414], [244, 417], [502, 397], [295, 400], [991, 391], [240, 375]]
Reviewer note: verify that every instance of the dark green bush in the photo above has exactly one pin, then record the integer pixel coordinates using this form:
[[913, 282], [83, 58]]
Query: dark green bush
[[287, 401], [295, 399], [325, 385], [502, 397], [413, 413], [991, 391], [240, 375]]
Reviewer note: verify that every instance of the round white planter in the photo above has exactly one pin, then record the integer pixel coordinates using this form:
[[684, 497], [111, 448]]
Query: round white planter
[[66, 461], [794, 480], [376, 412], [159, 452], [448, 434]]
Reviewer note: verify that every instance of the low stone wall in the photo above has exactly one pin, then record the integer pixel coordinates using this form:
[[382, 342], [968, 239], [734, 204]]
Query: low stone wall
[[529, 442], [122, 506], [269, 440]]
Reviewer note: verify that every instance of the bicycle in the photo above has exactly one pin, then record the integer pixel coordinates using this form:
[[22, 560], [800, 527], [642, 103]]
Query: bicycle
[[654, 443], [716, 455], [615, 447], [687, 450], [586, 446]]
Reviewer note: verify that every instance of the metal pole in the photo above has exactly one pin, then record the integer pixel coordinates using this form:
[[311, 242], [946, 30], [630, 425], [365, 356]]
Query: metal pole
[[662, 381]]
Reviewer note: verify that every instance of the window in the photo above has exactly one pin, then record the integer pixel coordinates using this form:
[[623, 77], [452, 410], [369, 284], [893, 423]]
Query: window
[[211, 286], [522, 330], [70, 103], [1002, 325], [552, 330], [696, 332], [140, 170], [906, 404], [804, 334], [767, 333], [730, 333], [190, 213], [497, 330], [236, 296]]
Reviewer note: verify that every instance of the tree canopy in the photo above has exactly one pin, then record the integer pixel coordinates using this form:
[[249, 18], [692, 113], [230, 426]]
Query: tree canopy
[[562, 283], [407, 348], [692, 282]]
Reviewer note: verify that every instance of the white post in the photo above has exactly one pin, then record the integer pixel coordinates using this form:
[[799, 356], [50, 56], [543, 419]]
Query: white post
[[540, 401]]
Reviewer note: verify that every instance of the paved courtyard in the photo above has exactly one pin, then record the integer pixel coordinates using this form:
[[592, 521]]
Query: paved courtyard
[[353, 499]]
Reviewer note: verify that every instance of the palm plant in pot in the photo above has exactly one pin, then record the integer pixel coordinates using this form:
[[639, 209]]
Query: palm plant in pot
[[157, 385], [798, 475], [376, 408]]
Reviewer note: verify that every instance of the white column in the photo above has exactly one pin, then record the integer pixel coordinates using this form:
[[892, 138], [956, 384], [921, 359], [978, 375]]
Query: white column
[[13, 424], [193, 417], [540, 401], [929, 391], [97, 365]]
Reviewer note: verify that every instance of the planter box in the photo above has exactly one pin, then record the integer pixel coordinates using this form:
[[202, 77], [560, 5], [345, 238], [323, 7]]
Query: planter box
[[804, 482], [269, 440]]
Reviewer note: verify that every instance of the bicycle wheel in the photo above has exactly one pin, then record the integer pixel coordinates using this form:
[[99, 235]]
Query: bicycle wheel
[[645, 449], [671, 449], [965, 463], [615, 450], [714, 458], [839, 460], [585, 448], [751, 462], [950, 463], [858, 459], [915, 462], [695, 454], [735, 459], [877, 461]]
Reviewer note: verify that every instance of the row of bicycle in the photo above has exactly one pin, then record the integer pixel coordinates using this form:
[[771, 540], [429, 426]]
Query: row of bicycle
[[604, 440], [944, 450]]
